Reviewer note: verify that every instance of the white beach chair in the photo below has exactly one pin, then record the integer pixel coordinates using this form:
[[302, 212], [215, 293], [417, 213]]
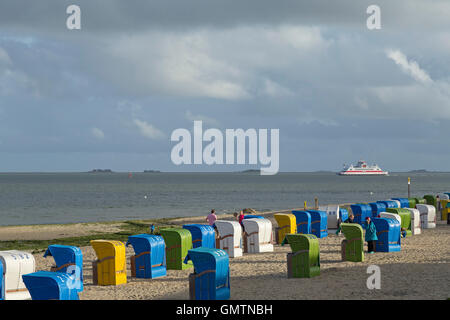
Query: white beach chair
[[391, 216], [230, 233], [427, 215], [415, 221], [333, 215], [443, 196], [15, 265], [398, 203], [257, 235]]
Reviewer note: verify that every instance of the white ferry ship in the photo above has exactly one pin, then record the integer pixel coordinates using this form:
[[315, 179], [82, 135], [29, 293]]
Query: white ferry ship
[[362, 168]]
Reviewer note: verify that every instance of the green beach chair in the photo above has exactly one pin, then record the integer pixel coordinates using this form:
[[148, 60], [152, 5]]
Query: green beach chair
[[430, 199], [304, 260], [178, 243], [412, 202], [352, 248], [420, 201], [405, 215]]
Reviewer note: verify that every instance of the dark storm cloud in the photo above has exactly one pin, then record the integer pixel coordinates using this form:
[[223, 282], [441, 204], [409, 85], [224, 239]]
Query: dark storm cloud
[[134, 15]]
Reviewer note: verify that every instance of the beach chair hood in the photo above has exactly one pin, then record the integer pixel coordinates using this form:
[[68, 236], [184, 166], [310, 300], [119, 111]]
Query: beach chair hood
[[65, 257], [15, 265], [377, 208], [111, 262], [230, 235], [286, 224], [258, 235], [415, 221], [319, 223], [404, 202], [333, 215], [361, 212], [304, 261], [353, 245], [149, 260], [303, 221], [202, 235], [178, 243], [211, 277], [388, 233], [427, 215]]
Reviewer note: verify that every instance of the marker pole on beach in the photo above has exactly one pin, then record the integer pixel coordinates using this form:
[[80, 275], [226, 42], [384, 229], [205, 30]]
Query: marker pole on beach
[[409, 187], [316, 204], [304, 206]]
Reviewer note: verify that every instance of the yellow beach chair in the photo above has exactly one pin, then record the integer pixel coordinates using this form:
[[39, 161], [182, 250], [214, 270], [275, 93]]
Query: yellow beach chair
[[286, 224], [111, 266]]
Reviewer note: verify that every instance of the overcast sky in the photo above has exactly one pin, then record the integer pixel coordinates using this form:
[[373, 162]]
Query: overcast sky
[[110, 95]]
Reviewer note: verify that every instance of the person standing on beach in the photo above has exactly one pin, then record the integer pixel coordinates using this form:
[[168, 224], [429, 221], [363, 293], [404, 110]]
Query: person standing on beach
[[350, 219], [211, 218], [371, 235]]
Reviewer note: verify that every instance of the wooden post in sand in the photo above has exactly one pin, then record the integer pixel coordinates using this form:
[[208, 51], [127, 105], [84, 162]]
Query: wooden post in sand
[[409, 187], [316, 204]]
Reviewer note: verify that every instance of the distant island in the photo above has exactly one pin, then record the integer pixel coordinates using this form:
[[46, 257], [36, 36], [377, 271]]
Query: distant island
[[152, 171], [419, 171], [101, 171], [251, 171]]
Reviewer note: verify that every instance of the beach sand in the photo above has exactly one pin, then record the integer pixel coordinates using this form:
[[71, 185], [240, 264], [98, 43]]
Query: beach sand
[[419, 271]]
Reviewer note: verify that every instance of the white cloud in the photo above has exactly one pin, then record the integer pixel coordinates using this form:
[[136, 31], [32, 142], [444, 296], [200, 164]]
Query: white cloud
[[410, 67], [207, 120], [98, 133], [148, 130]]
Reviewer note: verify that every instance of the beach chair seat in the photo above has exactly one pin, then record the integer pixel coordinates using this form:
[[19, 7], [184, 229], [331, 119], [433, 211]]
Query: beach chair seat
[[202, 235], [15, 264], [178, 243], [388, 234], [257, 235], [304, 260], [405, 216], [230, 237], [49, 285], [361, 211], [211, 277], [302, 221], [415, 221], [68, 259], [352, 247], [110, 268], [427, 216], [286, 224], [377, 208], [404, 202], [149, 259]]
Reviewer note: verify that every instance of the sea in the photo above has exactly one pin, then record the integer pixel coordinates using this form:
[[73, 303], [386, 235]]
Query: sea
[[54, 198]]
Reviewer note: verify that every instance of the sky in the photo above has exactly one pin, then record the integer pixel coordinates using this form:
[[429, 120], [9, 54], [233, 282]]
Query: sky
[[110, 94]]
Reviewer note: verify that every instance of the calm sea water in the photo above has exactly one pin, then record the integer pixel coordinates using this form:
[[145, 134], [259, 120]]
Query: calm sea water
[[41, 198]]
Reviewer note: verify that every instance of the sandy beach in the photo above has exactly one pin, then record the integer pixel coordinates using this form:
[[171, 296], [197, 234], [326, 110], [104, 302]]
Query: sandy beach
[[419, 271]]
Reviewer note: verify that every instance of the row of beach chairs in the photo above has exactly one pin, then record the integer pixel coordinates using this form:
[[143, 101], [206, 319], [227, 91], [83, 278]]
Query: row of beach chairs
[[199, 247]]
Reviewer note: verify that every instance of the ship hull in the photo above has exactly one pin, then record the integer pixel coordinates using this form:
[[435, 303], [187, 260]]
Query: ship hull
[[363, 173]]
